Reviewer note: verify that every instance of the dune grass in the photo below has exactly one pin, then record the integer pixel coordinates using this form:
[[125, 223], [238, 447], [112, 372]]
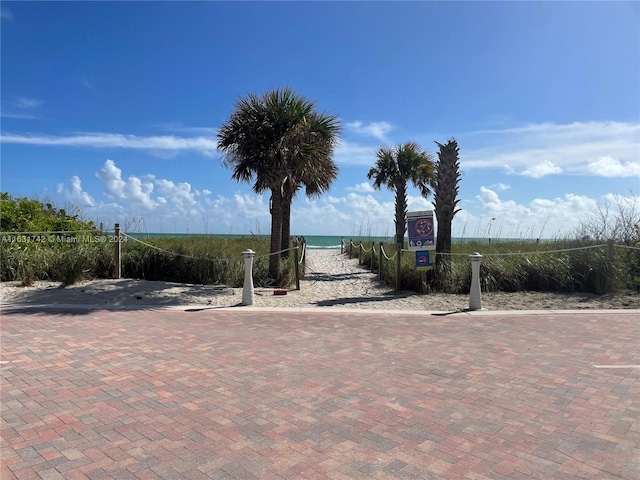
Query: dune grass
[[198, 259], [542, 269]]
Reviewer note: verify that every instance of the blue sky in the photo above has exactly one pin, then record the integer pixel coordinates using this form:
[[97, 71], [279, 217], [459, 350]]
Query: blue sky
[[113, 107]]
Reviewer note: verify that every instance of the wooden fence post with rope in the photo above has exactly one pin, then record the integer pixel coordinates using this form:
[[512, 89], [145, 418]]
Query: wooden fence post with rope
[[296, 264], [373, 251]]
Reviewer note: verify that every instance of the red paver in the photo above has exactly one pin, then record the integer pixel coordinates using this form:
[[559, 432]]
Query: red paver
[[241, 394]]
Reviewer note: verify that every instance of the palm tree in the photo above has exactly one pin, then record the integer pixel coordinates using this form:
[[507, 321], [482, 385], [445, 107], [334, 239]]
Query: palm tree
[[313, 169], [270, 138], [445, 192], [395, 168]]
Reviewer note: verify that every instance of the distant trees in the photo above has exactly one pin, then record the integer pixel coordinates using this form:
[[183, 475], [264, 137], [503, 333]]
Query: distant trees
[[282, 142], [395, 168], [445, 188]]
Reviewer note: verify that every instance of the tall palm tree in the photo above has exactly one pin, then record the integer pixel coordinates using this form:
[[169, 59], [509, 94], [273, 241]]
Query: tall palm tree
[[445, 192], [314, 169], [269, 138], [395, 168]]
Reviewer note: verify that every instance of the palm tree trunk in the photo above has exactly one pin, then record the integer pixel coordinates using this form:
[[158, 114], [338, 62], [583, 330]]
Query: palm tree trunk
[[286, 226], [443, 245], [276, 234], [401, 227]]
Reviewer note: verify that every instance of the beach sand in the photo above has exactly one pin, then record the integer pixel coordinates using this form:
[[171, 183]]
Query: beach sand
[[332, 280]]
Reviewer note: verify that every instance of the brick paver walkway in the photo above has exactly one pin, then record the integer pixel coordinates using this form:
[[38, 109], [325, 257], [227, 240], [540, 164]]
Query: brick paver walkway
[[247, 394]]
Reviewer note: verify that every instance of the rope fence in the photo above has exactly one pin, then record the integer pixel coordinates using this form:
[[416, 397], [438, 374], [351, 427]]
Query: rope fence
[[359, 248], [299, 248]]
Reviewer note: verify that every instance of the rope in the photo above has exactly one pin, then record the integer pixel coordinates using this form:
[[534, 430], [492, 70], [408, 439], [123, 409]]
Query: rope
[[524, 253], [276, 253], [385, 254], [303, 254], [50, 232], [543, 251], [180, 254], [627, 246]]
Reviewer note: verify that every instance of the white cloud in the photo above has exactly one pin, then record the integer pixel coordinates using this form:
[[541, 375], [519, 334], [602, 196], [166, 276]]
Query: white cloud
[[22, 108], [612, 167], [363, 187], [21, 115], [204, 145], [540, 149], [75, 194], [28, 103], [540, 218], [354, 154], [378, 130], [133, 189], [541, 170], [500, 187], [173, 205]]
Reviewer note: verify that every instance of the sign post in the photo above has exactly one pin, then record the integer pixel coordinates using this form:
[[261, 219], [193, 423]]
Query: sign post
[[422, 234]]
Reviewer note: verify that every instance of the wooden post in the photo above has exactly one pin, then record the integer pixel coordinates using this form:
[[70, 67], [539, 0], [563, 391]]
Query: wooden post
[[350, 249], [609, 251], [360, 254], [373, 253], [295, 259], [118, 251], [423, 281], [380, 262]]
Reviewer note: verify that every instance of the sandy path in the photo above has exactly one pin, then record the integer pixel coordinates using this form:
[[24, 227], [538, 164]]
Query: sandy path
[[332, 280]]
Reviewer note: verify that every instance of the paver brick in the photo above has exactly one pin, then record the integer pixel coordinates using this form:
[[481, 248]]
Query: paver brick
[[247, 394]]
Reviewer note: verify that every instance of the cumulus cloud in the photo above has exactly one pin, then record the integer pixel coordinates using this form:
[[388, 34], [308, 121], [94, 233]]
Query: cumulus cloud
[[541, 170], [178, 206], [363, 187], [132, 190], [612, 167], [540, 218], [74, 193], [378, 130]]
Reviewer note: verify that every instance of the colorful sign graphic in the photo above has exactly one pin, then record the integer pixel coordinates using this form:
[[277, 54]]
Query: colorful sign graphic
[[423, 260], [421, 230]]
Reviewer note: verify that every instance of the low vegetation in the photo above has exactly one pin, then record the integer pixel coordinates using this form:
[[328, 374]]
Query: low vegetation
[[79, 251], [591, 270]]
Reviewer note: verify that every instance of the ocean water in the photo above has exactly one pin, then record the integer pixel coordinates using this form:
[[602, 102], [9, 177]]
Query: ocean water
[[333, 242], [313, 241]]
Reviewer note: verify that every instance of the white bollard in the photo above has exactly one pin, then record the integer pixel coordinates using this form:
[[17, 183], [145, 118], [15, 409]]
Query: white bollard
[[247, 291], [475, 296]]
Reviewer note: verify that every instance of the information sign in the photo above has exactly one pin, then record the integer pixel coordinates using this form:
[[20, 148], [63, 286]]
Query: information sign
[[421, 230], [423, 260]]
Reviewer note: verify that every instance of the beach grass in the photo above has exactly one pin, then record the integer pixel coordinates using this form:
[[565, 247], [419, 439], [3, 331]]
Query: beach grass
[[520, 265], [197, 259]]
